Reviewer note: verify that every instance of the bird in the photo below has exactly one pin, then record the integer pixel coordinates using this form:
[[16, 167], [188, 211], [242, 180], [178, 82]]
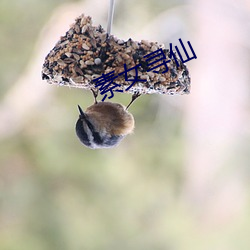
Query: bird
[[104, 124]]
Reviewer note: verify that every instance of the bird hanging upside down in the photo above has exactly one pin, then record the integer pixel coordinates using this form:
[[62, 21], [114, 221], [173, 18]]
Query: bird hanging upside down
[[104, 124]]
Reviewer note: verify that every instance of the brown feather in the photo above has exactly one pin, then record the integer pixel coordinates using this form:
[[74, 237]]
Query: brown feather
[[111, 117]]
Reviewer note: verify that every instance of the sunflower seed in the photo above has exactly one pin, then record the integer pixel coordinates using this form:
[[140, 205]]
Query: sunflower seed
[[85, 46]]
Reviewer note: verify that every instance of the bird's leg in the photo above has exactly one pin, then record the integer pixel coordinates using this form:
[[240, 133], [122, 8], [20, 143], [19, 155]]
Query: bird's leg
[[95, 94], [134, 97]]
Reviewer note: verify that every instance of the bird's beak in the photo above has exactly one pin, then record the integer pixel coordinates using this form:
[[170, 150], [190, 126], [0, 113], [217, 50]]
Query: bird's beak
[[82, 115]]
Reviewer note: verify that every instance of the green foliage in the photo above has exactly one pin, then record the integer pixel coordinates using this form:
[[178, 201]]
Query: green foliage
[[20, 24]]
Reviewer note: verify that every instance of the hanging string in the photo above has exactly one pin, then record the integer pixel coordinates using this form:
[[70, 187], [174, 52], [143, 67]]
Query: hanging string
[[110, 15]]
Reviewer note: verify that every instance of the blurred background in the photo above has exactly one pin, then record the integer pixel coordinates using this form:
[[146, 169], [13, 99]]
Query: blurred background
[[180, 182]]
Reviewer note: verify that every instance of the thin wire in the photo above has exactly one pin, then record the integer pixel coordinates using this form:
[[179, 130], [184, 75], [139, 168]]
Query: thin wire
[[110, 15]]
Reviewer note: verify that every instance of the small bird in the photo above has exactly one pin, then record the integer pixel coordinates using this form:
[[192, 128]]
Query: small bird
[[104, 124]]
